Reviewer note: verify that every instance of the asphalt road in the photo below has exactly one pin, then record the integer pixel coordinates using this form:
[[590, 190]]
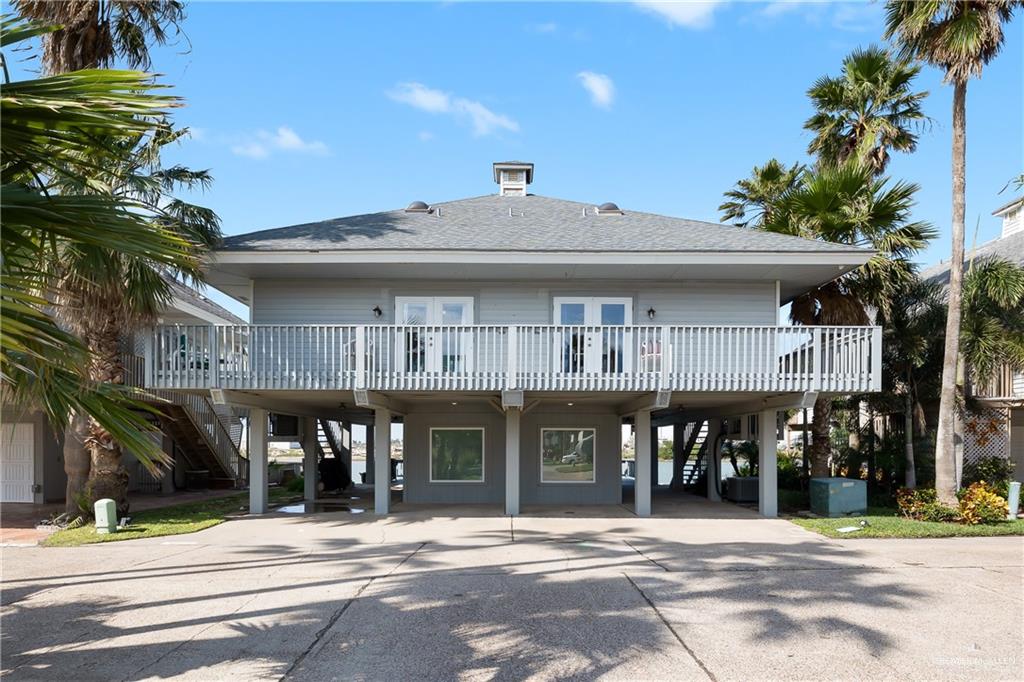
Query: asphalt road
[[722, 595]]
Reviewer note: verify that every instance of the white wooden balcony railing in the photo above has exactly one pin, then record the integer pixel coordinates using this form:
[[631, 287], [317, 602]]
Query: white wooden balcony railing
[[530, 357]]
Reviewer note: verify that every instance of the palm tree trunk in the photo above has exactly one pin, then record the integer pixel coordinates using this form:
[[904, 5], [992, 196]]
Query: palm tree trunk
[[945, 463], [910, 475], [107, 477], [821, 441], [76, 464]]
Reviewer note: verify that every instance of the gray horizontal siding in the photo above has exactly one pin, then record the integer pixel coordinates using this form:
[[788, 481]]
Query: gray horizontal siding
[[347, 302], [606, 489]]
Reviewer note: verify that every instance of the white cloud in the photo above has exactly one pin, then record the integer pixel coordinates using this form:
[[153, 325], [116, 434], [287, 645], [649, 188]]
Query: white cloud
[[600, 87], [545, 27], [844, 16], [690, 14], [482, 120], [262, 144], [425, 136]]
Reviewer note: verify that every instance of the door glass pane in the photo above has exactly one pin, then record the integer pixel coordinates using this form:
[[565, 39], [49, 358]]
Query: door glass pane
[[415, 350], [414, 313], [573, 313], [612, 339], [453, 342], [573, 341], [453, 313], [613, 313], [567, 455], [456, 454]]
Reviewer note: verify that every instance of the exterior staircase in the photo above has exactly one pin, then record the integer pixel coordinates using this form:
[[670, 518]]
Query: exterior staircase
[[203, 439], [330, 439], [695, 448], [208, 436]]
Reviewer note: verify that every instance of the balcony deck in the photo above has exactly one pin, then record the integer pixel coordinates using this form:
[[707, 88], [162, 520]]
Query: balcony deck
[[525, 357]]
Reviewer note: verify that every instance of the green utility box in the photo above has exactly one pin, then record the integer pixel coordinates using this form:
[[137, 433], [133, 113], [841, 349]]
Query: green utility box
[[105, 511], [835, 497]]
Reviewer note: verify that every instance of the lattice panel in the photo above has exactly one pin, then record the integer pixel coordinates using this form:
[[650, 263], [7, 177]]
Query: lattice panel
[[986, 434]]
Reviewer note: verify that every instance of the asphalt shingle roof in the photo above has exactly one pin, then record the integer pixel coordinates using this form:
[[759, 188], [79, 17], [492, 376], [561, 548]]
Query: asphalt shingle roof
[[192, 296], [1010, 247], [537, 223]]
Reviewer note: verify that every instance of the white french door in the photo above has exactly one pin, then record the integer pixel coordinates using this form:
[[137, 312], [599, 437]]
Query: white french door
[[593, 343], [436, 347]]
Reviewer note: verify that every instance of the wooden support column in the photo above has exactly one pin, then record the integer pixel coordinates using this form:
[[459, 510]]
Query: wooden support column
[[346, 454], [678, 456], [258, 465], [714, 463], [512, 415], [654, 456], [370, 449], [310, 442], [767, 467], [642, 449], [382, 461]]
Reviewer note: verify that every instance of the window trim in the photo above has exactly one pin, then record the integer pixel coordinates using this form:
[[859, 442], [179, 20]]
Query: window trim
[[540, 453], [483, 453]]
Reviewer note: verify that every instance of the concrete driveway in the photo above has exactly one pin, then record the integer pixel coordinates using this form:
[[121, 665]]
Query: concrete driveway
[[713, 593]]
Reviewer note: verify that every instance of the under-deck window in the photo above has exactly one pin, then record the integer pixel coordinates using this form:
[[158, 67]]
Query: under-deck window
[[567, 455], [456, 455]]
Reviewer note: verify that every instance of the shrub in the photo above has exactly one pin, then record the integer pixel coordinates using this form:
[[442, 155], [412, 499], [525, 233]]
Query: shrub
[[790, 468], [998, 471], [981, 503], [922, 505], [296, 485]]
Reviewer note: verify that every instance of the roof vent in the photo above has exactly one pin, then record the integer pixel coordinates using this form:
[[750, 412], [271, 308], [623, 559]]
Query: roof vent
[[609, 208], [513, 177], [417, 207]]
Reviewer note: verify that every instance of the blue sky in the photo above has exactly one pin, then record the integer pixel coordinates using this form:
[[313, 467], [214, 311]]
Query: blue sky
[[310, 111]]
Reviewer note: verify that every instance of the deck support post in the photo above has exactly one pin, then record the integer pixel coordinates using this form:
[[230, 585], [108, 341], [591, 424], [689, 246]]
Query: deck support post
[[382, 461], [346, 456], [370, 450], [678, 456], [767, 466], [258, 465], [642, 453], [714, 468], [309, 458], [512, 415]]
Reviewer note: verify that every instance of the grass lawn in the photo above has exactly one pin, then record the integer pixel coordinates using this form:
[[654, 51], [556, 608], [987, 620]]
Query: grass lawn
[[174, 520], [885, 522]]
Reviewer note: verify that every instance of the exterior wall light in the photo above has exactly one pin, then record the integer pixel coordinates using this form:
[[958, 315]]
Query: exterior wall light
[[650, 313], [377, 312]]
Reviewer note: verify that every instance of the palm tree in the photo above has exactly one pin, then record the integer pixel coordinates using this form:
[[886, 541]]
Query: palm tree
[[52, 128], [105, 295], [868, 110], [960, 38], [758, 194], [850, 205], [992, 333], [93, 33], [912, 332]]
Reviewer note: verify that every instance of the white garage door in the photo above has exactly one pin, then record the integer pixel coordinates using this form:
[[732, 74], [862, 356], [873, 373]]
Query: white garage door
[[17, 445]]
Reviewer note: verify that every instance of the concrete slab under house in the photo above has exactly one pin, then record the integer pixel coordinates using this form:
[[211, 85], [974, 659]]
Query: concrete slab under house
[[513, 335]]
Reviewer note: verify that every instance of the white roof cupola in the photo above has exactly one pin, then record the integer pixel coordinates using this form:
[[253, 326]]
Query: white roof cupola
[[513, 177]]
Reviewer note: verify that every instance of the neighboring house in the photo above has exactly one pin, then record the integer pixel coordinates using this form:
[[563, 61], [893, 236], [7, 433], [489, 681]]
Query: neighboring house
[[197, 434], [998, 428], [512, 334]]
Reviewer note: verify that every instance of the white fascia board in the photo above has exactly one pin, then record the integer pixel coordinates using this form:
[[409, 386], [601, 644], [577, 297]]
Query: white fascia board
[[839, 258]]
